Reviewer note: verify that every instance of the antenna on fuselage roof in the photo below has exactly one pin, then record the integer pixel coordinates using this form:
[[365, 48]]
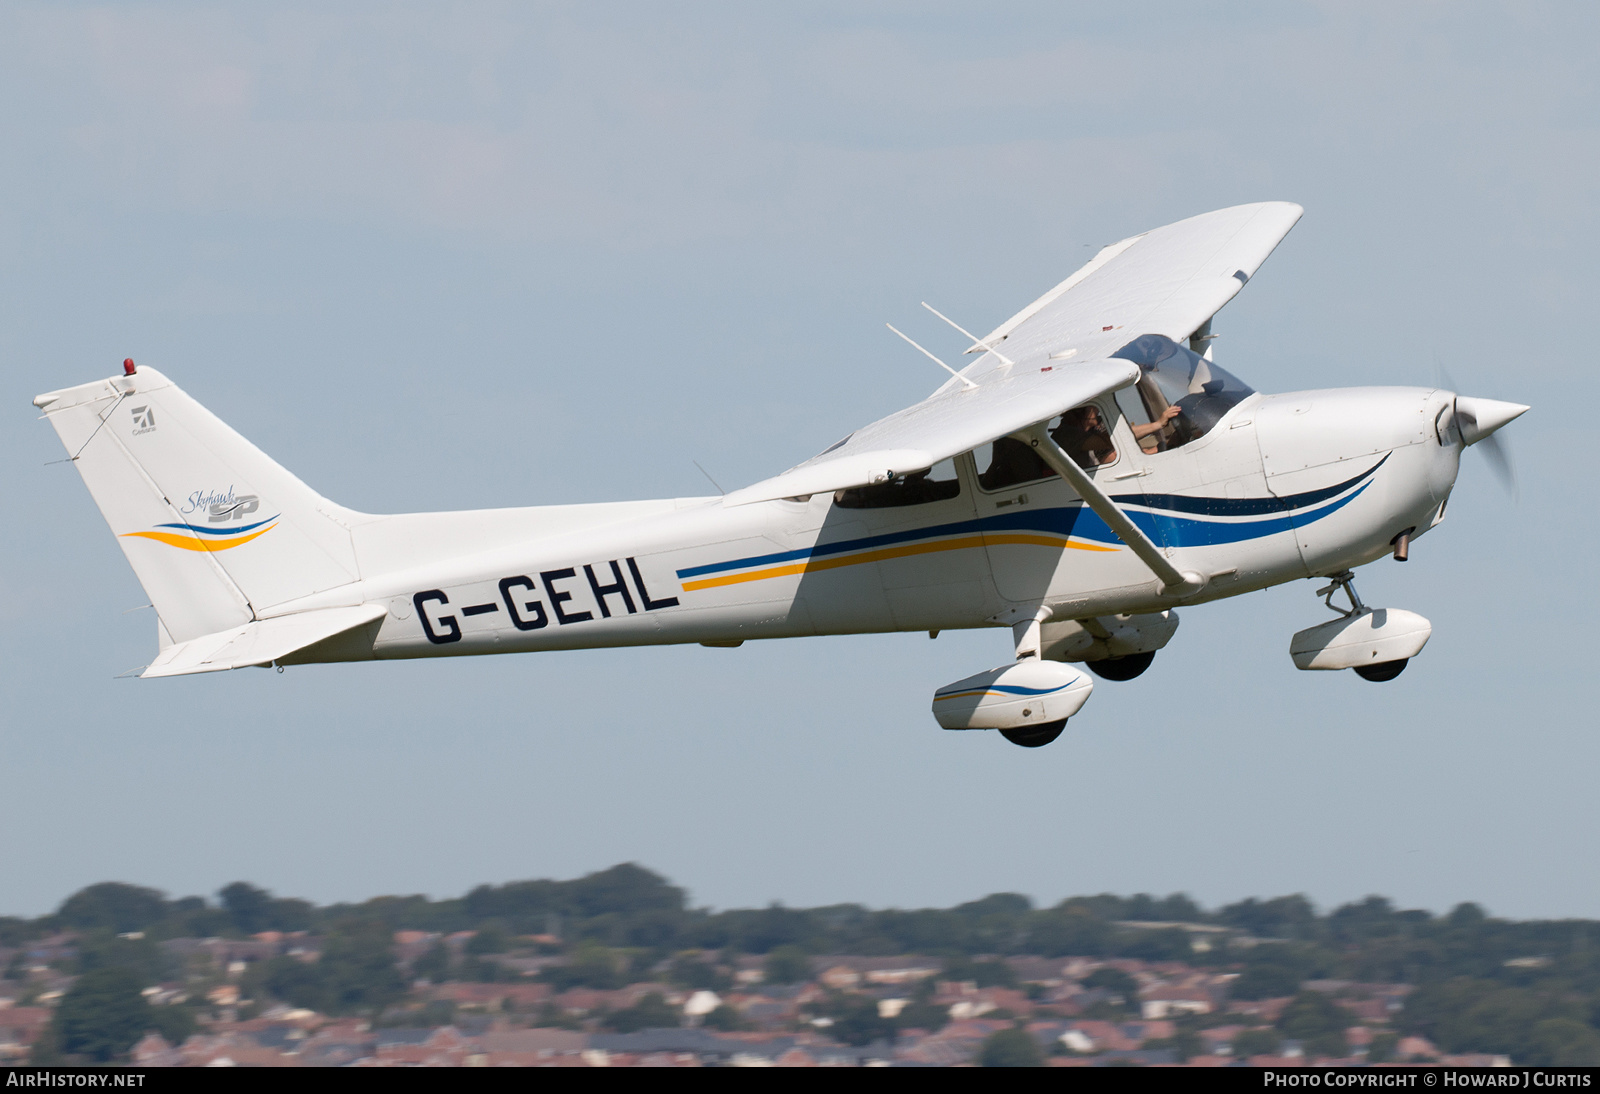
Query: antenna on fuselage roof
[[977, 343], [934, 359], [713, 482]]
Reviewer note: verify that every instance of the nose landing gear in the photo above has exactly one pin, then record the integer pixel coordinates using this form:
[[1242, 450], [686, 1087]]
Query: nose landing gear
[[1345, 580], [1376, 642]]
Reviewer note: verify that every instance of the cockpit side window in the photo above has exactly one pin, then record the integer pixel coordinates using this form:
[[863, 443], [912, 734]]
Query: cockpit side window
[[1148, 413], [937, 483], [1008, 462], [1179, 395], [1081, 432]]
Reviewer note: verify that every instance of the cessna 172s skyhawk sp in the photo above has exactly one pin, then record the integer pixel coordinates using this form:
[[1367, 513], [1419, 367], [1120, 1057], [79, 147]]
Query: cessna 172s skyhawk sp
[[1088, 472]]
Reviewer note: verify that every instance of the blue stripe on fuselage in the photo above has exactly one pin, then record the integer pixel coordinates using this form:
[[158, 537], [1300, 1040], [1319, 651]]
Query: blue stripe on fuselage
[[1243, 507], [1080, 521]]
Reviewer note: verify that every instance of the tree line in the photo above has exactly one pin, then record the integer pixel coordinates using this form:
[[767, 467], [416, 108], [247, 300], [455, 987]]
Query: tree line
[[1530, 989]]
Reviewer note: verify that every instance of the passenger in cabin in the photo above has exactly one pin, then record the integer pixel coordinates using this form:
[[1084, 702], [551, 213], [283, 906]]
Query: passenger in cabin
[[1081, 433], [937, 483], [1012, 462]]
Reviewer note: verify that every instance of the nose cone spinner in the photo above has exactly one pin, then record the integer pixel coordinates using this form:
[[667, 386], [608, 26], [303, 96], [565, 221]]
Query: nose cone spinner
[[1478, 418]]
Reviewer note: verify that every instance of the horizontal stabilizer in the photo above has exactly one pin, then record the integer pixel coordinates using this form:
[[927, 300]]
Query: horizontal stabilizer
[[261, 642]]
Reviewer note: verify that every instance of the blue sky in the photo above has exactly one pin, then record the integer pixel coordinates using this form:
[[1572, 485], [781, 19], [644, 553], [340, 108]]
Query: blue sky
[[438, 257]]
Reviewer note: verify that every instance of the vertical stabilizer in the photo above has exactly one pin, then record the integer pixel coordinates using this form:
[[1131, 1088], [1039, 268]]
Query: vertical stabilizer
[[214, 529]]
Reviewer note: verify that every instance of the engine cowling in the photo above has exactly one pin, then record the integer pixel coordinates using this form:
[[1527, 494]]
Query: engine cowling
[[1024, 693]]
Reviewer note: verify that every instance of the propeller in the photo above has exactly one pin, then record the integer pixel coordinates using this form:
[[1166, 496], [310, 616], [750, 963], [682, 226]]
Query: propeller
[[1498, 454], [1479, 420]]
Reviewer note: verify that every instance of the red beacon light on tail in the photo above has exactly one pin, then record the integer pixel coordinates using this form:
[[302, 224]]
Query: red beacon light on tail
[[127, 366]]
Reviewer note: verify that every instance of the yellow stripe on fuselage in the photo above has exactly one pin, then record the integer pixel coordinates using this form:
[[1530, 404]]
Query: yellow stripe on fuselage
[[958, 544], [195, 543], [980, 692]]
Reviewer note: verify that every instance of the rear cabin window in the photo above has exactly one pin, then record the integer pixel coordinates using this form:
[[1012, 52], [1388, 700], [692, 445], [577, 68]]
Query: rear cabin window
[[937, 483], [1179, 395], [1081, 432]]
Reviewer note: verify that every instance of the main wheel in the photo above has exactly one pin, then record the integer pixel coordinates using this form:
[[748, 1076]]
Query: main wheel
[[1383, 670], [1121, 668], [1034, 736]]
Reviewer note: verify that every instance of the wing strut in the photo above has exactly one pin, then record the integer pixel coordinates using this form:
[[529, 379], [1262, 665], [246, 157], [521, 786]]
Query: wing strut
[[1174, 582]]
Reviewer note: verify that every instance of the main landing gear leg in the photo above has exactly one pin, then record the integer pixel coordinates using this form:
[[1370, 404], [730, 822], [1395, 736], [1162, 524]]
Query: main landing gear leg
[[1029, 642]]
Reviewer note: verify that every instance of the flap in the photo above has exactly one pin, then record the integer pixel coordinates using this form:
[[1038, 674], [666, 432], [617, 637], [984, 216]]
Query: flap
[[953, 420], [261, 642]]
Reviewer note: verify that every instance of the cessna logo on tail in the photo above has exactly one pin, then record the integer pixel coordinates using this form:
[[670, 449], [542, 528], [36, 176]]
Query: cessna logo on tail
[[144, 420]]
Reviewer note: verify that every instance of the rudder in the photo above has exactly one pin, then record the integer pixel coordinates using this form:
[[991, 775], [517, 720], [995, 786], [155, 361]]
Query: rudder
[[214, 529]]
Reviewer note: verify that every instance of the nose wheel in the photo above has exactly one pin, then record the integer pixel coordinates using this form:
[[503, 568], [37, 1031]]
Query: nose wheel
[[1376, 643], [1383, 670]]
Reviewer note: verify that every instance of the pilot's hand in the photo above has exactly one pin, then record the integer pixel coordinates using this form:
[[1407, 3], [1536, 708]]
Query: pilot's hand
[[1170, 413]]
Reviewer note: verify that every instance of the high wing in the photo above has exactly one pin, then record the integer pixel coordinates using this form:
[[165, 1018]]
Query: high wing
[[1167, 281], [1055, 354]]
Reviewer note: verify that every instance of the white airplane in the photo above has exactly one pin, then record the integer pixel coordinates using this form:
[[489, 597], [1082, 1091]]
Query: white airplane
[[1090, 470]]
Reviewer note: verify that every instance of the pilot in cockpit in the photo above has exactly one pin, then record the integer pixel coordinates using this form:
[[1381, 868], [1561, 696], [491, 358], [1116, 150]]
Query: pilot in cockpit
[[1148, 434]]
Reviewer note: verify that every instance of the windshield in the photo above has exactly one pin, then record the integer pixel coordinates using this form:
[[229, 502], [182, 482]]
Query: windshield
[[1179, 396]]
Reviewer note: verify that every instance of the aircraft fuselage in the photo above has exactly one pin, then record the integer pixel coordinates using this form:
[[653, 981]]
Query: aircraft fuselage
[[1283, 487]]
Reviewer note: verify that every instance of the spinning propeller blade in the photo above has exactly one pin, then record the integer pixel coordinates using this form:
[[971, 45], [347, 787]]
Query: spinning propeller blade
[[1498, 453]]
